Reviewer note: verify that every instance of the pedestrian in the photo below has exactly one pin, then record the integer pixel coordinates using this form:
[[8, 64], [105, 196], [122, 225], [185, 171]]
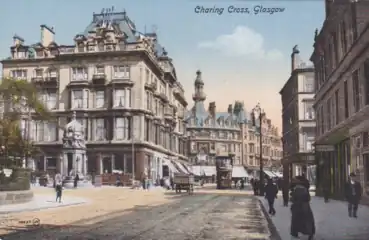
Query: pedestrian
[[59, 191], [271, 191], [242, 183], [76, 179], [252, 184], [326, 190], [353, 194], [302, 220], [171, 182], [255, 184], [285, 192]]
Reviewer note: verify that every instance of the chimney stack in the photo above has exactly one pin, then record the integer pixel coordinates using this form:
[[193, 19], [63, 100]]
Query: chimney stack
[[47, 35], [230, 109], [17, 40], [295, 58], [212, 109]]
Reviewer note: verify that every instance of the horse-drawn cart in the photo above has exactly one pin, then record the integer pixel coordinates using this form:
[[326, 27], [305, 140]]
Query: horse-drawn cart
[[184, 182]]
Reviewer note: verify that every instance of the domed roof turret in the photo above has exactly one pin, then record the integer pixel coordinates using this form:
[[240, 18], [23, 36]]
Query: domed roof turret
[[199, 80]]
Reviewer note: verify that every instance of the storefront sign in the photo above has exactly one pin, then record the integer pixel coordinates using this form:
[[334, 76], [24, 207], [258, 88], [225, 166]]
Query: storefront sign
[[324, 148]]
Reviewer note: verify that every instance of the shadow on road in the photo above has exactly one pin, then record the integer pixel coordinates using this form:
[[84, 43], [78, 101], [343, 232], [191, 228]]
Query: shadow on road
[[127, 224]]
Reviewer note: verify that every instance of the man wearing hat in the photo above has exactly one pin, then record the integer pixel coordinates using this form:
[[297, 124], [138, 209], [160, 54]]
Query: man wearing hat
[[353, 194]]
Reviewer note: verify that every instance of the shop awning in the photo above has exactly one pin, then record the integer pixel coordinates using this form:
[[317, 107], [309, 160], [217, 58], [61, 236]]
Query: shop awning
[[196, 170], [207, 171], [187, 167], [180, 167], [278, 174], [170, 165], [269, 173], [239, 172]]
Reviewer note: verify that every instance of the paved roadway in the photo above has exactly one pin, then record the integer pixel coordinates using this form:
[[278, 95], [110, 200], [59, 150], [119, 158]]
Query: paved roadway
[[204, 215]]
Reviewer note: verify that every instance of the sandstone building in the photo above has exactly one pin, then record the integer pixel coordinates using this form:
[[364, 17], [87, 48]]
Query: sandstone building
[[298, 118], [341, 64], [122, 86]]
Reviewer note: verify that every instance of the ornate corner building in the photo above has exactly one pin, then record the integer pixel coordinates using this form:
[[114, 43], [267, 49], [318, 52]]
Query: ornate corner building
[[298, 120], [211, 134], [123, 87], [341, 64]]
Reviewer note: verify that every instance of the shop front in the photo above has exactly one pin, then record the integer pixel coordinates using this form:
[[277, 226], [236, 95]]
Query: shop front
[[333, 163]]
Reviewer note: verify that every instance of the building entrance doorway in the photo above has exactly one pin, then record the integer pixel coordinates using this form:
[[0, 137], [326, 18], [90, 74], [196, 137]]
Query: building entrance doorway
[[107, 166]]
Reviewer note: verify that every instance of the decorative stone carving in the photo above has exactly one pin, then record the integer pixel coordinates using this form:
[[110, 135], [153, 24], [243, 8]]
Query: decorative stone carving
[[74, 136]]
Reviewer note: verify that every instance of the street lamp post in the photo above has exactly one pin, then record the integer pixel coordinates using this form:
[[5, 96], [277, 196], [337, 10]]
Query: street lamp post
[[133, 150], [257, 110]]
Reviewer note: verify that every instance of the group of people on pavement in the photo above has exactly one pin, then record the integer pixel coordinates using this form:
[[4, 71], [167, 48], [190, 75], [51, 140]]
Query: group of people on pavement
[[302, 219]]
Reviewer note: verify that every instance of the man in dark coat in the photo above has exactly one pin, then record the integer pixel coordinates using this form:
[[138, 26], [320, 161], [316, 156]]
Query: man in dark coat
[[76, 179], [353, 194], [326, 190], [302, 220], [271, 191], [285, 192], [255, 186], [242, 183]]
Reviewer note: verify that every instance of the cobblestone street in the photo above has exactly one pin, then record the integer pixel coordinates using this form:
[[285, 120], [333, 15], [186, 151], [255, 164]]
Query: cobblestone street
[[204, 215]]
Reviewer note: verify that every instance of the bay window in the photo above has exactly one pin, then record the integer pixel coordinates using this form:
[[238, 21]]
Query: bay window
[[79, 99], [79, 74], [122, 128], [49, 99], [39, 131], [42, 131], [99, 99], [19, 74], [121, 72], [50, 132], [100, 129], [122, 98]]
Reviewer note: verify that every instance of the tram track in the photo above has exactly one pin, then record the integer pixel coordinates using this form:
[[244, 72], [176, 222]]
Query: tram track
[[186, 211], [130, 226], [197, 217]]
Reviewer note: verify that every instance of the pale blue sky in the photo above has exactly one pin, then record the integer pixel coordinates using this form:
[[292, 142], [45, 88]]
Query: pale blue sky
[[252, 67]]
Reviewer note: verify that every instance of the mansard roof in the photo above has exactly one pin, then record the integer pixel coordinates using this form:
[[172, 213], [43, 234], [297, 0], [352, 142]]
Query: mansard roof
[[198, 116]]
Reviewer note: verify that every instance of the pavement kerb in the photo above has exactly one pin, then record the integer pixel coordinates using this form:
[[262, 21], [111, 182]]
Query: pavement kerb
[[273, 230]]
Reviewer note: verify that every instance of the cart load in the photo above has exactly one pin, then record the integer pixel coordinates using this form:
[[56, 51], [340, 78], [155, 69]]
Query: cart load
[[184, 182]]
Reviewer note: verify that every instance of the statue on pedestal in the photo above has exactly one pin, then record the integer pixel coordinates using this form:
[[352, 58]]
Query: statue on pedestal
[[74, 136]]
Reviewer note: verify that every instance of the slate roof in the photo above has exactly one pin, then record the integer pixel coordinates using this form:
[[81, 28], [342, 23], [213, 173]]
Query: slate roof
[[124, 24], [198, 116]]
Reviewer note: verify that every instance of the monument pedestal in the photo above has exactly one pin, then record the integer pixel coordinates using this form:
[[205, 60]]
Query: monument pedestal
[[69, 183], [74, 158]]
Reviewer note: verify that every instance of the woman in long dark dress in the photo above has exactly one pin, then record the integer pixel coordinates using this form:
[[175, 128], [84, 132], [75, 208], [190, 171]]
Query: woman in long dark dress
[[302, 220]]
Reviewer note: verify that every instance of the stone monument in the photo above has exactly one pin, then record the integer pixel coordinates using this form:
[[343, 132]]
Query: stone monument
[[73, 157]]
